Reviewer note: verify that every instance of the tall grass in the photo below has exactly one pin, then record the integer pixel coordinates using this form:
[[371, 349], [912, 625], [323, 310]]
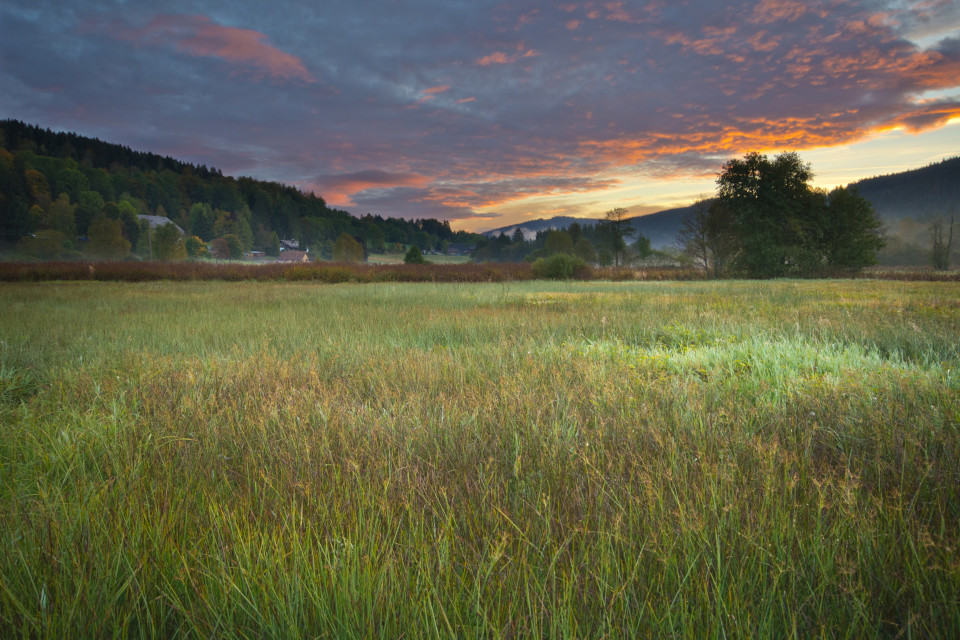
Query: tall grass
[[772, 459]]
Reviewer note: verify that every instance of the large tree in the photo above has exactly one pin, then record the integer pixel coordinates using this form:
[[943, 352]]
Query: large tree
[[706, 236], [167, 243], [347, 249], [771, 201], [201, 221], [106, 239], [584, 250], [692, 238], [60, 217], [852, 233], [941, 242], [614, 229], [783, 226], [558, 242], [90, 206]]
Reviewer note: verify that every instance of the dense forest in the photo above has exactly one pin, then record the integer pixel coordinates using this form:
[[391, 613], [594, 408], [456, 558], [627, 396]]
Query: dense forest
[[63, 183], [919, 194]]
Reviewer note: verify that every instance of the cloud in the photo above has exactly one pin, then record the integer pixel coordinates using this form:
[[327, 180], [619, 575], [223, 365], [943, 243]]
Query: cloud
[[770, 11], [200, 36], [927, 117], [383, 194], [499, 57], [411, 203], [339, 189], [413, 110], [495, 193]]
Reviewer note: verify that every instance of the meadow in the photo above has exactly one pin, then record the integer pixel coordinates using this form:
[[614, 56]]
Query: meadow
[[511, 459]]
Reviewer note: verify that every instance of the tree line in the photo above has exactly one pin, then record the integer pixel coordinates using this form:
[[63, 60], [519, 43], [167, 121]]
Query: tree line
[[58, 188], [610, 242]]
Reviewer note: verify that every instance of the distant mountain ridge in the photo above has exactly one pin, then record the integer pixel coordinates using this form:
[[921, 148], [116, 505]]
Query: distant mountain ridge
[[661, 227], [917, 194]]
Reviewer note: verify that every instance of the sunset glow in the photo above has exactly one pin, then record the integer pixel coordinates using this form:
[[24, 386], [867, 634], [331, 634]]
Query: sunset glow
[[487, 114]]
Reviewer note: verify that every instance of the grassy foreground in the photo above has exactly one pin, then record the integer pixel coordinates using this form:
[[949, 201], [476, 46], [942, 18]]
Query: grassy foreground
[[281, 460]]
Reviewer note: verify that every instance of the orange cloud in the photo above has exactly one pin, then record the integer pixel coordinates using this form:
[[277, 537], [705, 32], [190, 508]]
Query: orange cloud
[[499, 57], [432, 92], [200, 36], [496, 191], [617, 12], [763, 134], [339, 189], [927, 117], [770, 11]]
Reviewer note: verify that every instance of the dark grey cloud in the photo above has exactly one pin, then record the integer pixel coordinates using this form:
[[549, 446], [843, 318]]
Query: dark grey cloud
[[412, 202], [442, 108]]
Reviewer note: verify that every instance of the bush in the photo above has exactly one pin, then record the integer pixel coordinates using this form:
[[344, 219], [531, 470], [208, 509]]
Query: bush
[[219, 249], [196, 248], [347, 249], [559, 266], [106, 239], [414, 256]]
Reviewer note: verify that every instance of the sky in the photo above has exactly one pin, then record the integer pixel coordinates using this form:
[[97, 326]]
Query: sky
[[489, 113]]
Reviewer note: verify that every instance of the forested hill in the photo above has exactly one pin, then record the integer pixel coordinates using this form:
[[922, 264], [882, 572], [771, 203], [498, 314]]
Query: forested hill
[[919, 194], [660, 227], [38, 165]]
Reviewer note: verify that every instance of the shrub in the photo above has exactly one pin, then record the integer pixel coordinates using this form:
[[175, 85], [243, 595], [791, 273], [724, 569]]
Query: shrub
[[106, 239], [414, 256], [196, 248], [219, 249], [559, 266], [347, 249]]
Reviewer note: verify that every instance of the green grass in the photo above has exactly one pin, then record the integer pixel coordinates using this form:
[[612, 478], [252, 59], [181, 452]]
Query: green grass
[[736, 459]]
